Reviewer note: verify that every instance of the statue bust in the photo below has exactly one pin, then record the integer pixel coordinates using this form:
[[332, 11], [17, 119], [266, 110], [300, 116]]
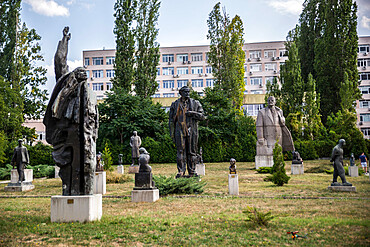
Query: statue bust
[[232, 166]]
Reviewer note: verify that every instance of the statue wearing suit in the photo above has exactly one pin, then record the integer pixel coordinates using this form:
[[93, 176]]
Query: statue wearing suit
[[271, 127], [21, 159]]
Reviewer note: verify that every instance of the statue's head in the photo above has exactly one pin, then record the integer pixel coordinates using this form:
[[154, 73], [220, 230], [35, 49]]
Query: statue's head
[[232, 161], [184, 92], [271, 101], [135, 133], [80, 74], [143, 151], [20, 141], [342, 142]]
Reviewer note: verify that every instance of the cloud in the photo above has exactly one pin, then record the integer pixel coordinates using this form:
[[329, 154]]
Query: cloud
[[365, 22], [48, 8], [293, 7], [74, 64]]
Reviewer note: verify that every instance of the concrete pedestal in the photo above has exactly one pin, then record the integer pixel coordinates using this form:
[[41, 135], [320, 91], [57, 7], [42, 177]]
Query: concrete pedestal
[[133, 169], [353, 171], [342, 188], [297, 169], [200, 169], [120, 169], [233, 184], [144, 195], [76, 208], [100, 183], [264, 161], [57, 168], [14, 186]]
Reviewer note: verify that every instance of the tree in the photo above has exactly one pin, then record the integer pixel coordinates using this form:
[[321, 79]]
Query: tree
[[125, 14], [226, 55], [278, 176], [107, 158], [147, 54]]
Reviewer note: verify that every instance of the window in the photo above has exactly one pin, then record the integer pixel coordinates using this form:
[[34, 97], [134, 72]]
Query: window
[[365, 117], [200, 94], [197, 70], [88, 73], [365, 76], [197, 83], [269, 53], [169, 84], [110, 60], [209, 70], [98, 86], [365, 89], [182, 70], [168, 58], [157, 95], [181, 83], [158, 71], [256, 80], [207, 56], [109, 85], [256, 92], [97, 60], [363, 62], [283, 53], [254, 54], [98, 73], [270, 79], [363, 48], [365, 131], [246, 80], [245, 68], [168, 71], [210, 83], [182, 58], [255, 67], [168, 95], [364, 103], [195, 57], [270, 66], [87, 61], [252, 110], [110, 73]]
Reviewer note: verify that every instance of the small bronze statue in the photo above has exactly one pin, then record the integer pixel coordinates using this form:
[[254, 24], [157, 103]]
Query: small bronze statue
[[99, 162], [352, 160], [143, 179], [296, 158], [144, 161], [337, 159], [232, 166], [120, 159], [20, 159], [135, 143]]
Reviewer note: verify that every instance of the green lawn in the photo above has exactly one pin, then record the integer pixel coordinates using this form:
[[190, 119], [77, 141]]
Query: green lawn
[[213, 218]]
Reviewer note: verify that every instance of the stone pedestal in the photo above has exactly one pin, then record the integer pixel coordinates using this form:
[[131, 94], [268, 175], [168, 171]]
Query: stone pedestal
[[233, 184], [100, 183], [120, 169], [342, 188], [353, 171], [57, 168], [200, 169], [297, 169], [133, 169], [145, 195], [264, 161], [76, 208], [14, 186]]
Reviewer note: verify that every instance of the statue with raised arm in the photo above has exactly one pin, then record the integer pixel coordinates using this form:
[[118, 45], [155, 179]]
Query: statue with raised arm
[[185, 113], [71, 121], [337, 159]]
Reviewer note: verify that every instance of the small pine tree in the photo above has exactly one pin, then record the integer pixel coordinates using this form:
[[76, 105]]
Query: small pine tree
[[279, 176], [107, 158]]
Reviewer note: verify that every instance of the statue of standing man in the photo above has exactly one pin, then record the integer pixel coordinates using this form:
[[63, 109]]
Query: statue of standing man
[[337, 159], [183, 123], [135, 143], [21, 159]]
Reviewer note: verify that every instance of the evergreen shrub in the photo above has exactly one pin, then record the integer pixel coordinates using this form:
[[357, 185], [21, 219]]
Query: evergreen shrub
[[41, 171], [171, 185], [264, 170]]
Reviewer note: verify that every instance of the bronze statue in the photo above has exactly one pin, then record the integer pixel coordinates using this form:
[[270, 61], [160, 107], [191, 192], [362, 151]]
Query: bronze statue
[[135, 143], [71, 121], [144, 178], [232, 167], [99, 162], [183, 123], [337, 159], [20, 159]]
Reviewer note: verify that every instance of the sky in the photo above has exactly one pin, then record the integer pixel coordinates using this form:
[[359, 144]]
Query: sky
[[181, 23]]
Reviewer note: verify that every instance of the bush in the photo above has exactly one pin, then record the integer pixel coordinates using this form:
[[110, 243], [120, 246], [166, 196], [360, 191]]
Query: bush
[[170, 185], [40, 154], [278, 176], [264, 170], [5, 172], [41, 171], [107, 158], [116, 178], [257, 217], [331, 171]]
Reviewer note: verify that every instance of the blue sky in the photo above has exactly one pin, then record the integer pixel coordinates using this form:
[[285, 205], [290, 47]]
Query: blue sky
[[181, 22]]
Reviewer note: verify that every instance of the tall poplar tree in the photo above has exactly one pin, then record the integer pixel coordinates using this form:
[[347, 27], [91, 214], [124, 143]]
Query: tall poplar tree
[[147, 53], [226, 55], [125, 14]]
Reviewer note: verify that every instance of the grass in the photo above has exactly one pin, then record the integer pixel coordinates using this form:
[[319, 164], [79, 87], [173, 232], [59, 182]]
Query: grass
[[211, 219]]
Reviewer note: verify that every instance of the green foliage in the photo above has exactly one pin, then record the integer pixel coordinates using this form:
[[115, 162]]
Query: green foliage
[[3, 145], [5, 172], [278, 176], [40, 171], [171, 185], [107, 158], [264, 170], [331, 171], [40, 154], [257, 217], [116, 178]]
